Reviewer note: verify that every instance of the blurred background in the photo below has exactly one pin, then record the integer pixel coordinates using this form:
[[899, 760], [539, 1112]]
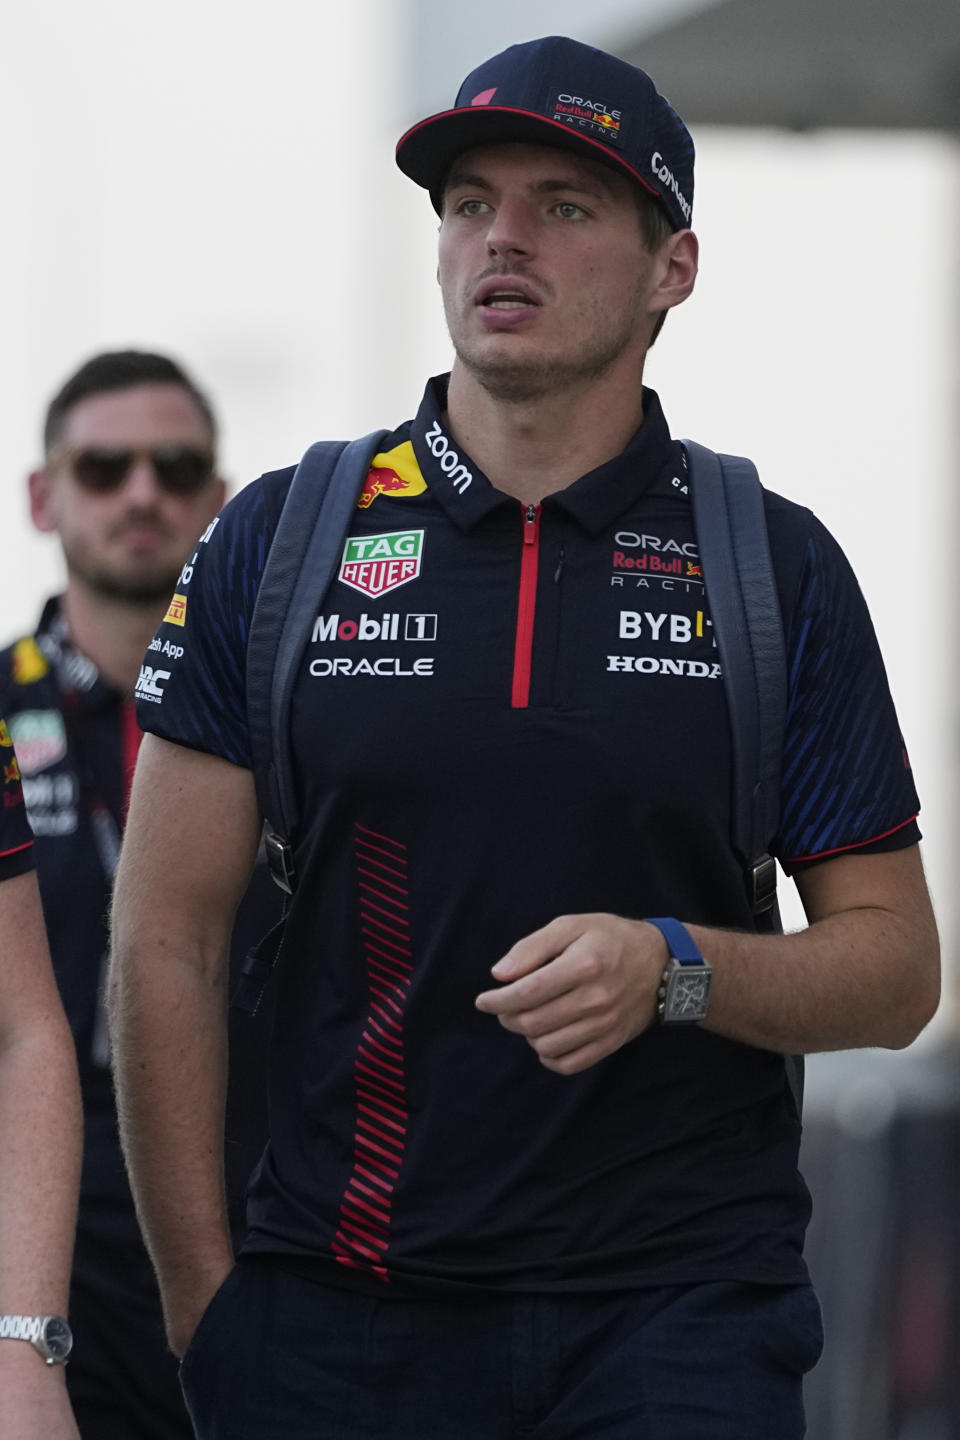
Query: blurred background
[[216, 180]]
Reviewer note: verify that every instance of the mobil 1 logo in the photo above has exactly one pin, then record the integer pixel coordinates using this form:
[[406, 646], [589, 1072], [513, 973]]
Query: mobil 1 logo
[[388, 626]]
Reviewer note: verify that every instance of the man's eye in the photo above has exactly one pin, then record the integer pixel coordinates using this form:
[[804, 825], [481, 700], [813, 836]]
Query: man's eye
[[472, 207], [568, 211]]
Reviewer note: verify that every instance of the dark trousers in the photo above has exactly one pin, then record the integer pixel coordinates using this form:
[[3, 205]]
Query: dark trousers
[[122, 1377], [277, 1355]]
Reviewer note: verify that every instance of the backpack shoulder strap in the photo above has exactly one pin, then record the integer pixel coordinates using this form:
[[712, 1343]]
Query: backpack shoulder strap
[[731, 529], [300, 565]]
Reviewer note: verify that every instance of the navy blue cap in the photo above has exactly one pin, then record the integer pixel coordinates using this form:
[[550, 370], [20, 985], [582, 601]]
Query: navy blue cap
[[558, 92]]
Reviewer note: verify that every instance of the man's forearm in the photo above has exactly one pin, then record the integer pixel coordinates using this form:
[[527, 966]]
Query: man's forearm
[[40, 1141], [845, 982], [168, 1036], [866, 972], [40, 1148], [176, 891], [40, 1119]]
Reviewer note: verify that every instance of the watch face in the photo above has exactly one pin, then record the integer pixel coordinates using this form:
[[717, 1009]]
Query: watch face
[[57, 1338], [687, 992]]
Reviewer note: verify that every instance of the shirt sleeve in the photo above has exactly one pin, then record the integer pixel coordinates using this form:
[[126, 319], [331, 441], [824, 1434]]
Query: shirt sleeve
[[846, 783], [192, 685], [16, 840]]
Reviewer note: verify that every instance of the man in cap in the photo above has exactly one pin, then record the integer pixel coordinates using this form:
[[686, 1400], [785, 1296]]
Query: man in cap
[[505, 1192], [127, 485]]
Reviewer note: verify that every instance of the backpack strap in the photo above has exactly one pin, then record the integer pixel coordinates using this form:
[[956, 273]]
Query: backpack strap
[[731, 529], [300, 565]]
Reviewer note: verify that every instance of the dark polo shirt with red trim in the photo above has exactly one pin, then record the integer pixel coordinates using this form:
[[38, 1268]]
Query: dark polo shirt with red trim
[[504, 714]]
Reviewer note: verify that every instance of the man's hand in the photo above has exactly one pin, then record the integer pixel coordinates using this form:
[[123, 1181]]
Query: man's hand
[[580, 988], [33, 1396]]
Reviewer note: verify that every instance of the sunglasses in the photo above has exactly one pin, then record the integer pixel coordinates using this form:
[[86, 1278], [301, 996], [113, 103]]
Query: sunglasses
[[180, 469]]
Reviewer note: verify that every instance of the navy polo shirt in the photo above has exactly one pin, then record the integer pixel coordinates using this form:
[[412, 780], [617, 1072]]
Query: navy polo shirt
[[505, 714]]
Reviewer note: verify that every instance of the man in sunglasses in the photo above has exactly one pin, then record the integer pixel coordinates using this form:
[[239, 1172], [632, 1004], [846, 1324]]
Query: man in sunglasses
[[128, 483]]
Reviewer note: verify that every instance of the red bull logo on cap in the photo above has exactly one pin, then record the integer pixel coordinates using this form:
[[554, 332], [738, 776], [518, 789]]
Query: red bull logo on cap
[[393, 472]]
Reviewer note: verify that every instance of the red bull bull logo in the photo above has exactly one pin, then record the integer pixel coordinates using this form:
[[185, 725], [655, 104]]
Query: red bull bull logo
[[394, 472], [11, 772]]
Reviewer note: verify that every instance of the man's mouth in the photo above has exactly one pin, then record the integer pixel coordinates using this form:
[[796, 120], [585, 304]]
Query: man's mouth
[[505, 300], [494, 296]]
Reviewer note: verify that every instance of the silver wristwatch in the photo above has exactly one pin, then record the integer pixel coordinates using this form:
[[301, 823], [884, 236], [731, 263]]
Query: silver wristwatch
[[50, 1335]]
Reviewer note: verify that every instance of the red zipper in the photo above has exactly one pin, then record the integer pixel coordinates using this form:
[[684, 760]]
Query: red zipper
[[526, 607]]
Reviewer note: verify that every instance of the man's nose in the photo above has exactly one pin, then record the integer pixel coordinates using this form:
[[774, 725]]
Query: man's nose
[[512, 230], [141, 483]]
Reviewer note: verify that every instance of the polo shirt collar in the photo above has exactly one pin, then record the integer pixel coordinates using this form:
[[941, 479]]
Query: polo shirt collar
[[597, 498]]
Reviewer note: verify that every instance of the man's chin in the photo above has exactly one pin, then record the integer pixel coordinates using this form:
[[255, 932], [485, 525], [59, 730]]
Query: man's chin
[[512, 379], [140, 587]]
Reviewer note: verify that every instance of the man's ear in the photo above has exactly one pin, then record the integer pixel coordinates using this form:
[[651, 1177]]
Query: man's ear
[[42, 509], [678, 258]]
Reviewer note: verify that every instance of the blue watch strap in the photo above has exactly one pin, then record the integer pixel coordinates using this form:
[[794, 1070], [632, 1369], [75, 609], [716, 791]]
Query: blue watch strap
[[678, 938]]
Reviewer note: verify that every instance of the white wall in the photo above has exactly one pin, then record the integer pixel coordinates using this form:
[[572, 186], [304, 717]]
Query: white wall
[[215, 179], [822, 341]]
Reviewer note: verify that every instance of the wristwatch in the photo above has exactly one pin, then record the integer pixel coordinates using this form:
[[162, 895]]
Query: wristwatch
[[50, 1335], [685, 985]]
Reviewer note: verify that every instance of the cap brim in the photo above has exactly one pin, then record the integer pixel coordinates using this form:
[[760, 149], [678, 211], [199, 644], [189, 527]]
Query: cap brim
[[427, 151]]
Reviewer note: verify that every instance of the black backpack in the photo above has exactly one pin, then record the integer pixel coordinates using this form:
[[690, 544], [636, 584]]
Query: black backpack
[[731, 531]]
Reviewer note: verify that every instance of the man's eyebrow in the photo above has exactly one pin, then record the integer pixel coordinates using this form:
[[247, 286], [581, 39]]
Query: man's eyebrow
[[456, 178], [582, 184], [579, 184]]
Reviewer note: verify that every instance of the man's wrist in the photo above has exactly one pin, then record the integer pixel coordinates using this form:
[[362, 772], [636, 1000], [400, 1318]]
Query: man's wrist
[[16, 1358], [684, 991], [184, 1305], [49, 1335]]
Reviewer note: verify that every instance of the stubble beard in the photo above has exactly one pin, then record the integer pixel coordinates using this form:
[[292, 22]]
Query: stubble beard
[[135, 588], [535, 377], [143, 590]]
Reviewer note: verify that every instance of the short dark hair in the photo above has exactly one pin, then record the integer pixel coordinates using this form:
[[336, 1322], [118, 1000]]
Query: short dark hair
[[119, 370], [655, 227], [655, 224]]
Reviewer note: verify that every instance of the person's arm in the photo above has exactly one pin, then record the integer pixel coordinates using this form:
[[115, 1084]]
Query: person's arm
[[865, 972], [40, 1144], [189, 846]]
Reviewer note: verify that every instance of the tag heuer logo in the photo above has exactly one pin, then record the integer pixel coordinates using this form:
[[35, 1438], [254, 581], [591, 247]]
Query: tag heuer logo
[[374, 564]]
